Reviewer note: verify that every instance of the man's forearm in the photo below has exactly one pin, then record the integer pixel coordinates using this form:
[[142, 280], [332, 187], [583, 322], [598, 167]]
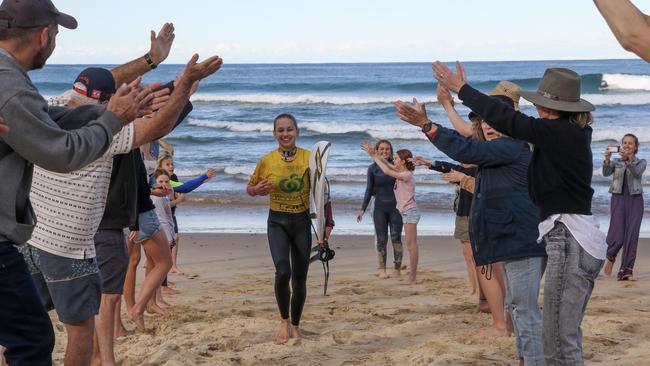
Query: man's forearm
[[149, 129], [130, 71]]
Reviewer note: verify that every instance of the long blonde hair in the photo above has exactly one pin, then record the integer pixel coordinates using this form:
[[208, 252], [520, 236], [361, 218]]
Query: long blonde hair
[[164, 155], [477, 130]]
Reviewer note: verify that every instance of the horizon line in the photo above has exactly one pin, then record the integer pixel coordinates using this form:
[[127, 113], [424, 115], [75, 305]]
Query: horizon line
[[369, 62]]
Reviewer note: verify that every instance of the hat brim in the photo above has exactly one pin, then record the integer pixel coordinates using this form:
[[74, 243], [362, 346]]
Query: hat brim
[[66, 21], [558, 105]]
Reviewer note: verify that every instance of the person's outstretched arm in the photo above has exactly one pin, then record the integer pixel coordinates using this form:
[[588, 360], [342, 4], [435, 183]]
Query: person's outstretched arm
[[161, 44], [630, 26], [447, 102]]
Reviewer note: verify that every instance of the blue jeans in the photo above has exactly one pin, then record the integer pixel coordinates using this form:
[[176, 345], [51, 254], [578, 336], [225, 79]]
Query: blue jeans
[[523, 277], [570, 275], [25, 328]]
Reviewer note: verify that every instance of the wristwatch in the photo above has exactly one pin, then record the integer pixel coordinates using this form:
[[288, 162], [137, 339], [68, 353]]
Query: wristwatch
[[147, 57], [427, 127]]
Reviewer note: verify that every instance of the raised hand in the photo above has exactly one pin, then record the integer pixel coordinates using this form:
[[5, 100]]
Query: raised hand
[[368, 148], [211, 173], [197, 71], [444, 96], [145, 98], [160, 99], [124, 103], [447, 78], [420, 161], [161, 44], [415, 114], [461, 72], [3, 127]]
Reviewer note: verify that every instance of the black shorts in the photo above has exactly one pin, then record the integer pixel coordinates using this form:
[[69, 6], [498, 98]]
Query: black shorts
[[112, 259]]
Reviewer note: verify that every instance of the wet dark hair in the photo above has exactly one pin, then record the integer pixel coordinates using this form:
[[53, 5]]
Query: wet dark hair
[[636, 141], [405, 155], [384, 141], [285, 115]]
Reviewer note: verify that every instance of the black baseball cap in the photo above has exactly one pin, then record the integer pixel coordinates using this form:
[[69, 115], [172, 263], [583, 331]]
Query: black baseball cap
[[96, 83], [501, 98], [33, 13]]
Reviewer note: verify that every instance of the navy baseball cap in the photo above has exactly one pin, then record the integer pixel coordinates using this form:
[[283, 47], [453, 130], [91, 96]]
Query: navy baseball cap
[[96, 83], [33, 13]]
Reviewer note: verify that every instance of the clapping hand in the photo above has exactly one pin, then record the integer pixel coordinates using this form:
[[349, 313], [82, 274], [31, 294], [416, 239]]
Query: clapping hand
[[447, 78], [415, 114], [420, 161], [368, 148], [161, 44], [194, 71]]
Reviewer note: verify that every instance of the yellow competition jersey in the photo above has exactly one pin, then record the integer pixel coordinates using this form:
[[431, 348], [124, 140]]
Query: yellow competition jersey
[[290, 192]]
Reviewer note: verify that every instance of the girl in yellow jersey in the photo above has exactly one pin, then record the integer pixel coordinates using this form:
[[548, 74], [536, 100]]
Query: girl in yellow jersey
[[283, 174]]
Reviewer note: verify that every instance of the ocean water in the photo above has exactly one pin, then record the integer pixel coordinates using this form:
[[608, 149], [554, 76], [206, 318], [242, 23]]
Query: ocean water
[[346, 104]]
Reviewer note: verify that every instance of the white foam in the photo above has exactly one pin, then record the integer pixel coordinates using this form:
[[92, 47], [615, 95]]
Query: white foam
[[375, 130], [626, 82], [269, 98], [602, 134]]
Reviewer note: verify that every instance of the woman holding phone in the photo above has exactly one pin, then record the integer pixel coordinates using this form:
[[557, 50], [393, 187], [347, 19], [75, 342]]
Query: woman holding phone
[[626, 205]]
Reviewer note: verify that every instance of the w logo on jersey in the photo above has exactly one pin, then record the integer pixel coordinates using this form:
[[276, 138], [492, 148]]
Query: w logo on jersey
[[293, 183]]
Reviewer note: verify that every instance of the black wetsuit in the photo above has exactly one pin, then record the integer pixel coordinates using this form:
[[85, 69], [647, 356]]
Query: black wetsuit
[[385, 215]]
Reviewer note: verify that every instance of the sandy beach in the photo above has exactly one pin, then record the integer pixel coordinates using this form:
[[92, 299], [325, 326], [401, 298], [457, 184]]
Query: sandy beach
[[227, 315]]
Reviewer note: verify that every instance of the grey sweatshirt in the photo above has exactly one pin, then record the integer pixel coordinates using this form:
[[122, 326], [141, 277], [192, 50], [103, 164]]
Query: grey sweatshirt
[[36, 139]]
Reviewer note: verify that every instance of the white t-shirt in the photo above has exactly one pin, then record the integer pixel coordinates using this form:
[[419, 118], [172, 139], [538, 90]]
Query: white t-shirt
[[70, 206], [584, 228]]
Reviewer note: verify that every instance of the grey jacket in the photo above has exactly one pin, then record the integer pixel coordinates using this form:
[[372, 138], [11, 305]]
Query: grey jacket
[[36, 139], [634, 173]]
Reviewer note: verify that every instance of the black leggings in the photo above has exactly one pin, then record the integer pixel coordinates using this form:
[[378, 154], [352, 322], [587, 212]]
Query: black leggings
[[385, 218], [290, 243]]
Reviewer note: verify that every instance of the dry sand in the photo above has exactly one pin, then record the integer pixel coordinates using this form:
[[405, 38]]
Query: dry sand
[[227, 315]]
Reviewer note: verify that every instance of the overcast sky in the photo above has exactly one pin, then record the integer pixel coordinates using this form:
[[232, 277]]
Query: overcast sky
[[280, 31]]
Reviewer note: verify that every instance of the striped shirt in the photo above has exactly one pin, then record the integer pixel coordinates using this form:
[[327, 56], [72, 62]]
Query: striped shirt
[[70, 206]]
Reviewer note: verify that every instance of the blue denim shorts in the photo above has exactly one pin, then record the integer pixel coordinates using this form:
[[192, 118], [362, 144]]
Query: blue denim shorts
[[411, 216], [71, 286], [148, 224]]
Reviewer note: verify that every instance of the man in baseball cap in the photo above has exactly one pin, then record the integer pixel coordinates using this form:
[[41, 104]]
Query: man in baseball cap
[[33, 13], [28, 30], [95, 83]]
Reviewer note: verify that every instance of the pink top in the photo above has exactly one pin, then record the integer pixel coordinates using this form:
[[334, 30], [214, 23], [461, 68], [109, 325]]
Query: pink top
[[405, 191]]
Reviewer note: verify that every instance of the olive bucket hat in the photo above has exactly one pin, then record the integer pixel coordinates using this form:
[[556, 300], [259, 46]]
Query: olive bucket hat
[[559, 90]]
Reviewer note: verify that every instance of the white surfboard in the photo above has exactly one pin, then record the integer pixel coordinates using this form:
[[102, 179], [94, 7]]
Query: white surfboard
[[319, 186]]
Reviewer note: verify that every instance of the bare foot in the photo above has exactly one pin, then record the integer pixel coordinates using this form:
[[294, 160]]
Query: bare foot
[[137, 319], [295, 332], [121, 331], [492, 332], [608, 268], [382, 274], [396, 273], [409, 281], [163, 304], [170, 283], [176, 270], [483, 307], [169, 291], [155, 309], [284, 332]]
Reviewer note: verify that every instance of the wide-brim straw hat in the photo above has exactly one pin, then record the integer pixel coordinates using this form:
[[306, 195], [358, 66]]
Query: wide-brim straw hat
[[506, 89], [559, 90]]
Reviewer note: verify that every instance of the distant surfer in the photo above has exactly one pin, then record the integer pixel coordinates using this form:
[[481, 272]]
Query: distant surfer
[[283, 174]]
